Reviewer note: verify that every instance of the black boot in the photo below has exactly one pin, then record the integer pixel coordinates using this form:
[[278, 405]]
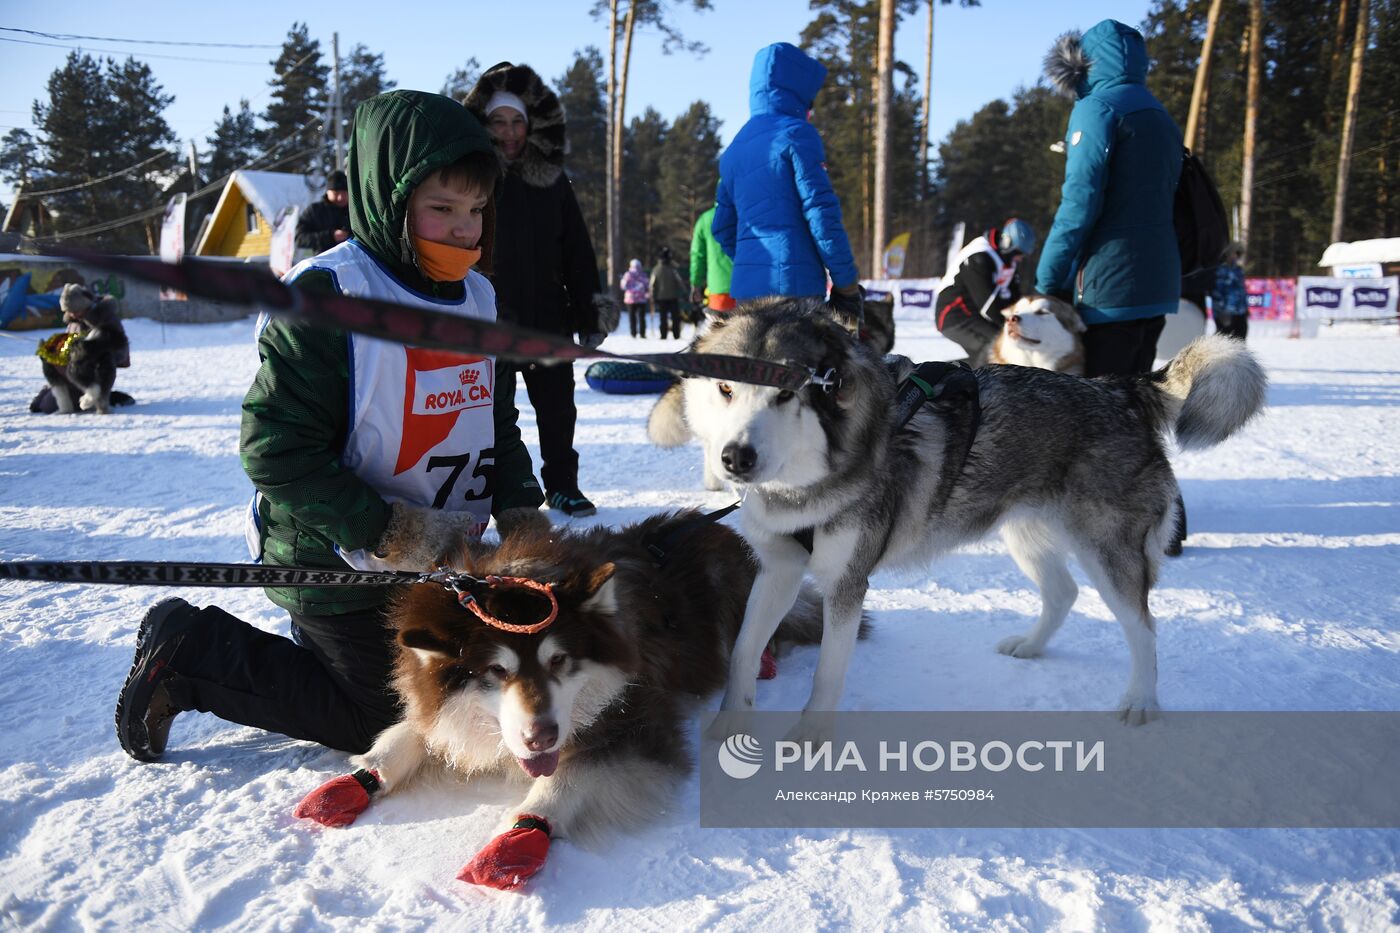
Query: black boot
[[144, 708]]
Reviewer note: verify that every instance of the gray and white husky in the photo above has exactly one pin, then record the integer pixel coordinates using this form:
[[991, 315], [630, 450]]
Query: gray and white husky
[[1060, 464]]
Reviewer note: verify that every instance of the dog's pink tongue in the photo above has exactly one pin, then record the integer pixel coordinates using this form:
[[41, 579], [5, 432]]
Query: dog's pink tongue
[[540, 765]]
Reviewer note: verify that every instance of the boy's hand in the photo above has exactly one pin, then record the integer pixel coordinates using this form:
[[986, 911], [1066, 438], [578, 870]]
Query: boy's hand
[[522, 520], [591, 341], [419, 538]]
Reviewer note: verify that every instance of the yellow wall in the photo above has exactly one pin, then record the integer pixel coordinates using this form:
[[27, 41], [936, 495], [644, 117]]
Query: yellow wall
[[230, 235]]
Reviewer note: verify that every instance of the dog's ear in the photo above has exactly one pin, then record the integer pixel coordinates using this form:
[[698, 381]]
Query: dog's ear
[[1071, 319], [591, 590], [425, 645]]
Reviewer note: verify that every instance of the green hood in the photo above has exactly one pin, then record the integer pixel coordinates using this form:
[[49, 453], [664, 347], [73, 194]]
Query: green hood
[[399, 139]]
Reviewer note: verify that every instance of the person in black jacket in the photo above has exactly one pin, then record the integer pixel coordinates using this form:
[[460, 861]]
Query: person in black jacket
[[546, 273], [327, 222], [980, 285]]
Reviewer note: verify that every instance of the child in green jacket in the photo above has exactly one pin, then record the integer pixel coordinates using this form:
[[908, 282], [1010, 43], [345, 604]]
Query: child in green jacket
[[364, 453]]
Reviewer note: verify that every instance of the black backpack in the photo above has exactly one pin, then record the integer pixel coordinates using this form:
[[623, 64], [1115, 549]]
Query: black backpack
[[1202, 227]]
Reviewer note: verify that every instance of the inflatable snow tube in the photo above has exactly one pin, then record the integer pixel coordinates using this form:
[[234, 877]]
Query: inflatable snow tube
[[616, 377]]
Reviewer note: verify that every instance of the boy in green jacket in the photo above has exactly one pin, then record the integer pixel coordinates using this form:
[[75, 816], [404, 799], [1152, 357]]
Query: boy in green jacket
[[364, 454]]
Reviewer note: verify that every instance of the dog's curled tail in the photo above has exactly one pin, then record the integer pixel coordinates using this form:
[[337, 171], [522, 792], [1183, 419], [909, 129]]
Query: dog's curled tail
[[666, 425], [803, 623], [1212, 389]]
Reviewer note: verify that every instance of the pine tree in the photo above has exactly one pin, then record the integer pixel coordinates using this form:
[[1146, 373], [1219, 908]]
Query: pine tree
[[19, 156], [233, 145], [462, 80], [688, 171], [133, 115], [580, 91], [361, 77], [641, 201], [96, 125], [843, 37], [292, 139]]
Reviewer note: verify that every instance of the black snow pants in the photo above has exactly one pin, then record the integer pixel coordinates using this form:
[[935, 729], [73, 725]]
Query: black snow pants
[[331, 685]]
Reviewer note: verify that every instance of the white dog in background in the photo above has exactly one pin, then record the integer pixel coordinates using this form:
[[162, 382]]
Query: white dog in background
[[1042, 332]]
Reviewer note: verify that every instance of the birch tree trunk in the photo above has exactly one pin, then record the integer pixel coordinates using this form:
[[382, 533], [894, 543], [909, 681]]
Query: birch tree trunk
[[883, 128], [610, 192], [619, 119], [1251, 116], [1201, 89], [1358, 53], [928, 93]]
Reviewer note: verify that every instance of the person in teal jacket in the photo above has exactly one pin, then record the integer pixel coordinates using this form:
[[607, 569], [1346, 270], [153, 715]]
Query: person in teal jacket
[[1112, 249], [776, 214]]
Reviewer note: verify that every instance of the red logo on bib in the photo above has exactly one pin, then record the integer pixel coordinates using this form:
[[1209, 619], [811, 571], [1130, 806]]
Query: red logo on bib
[[439, 386]]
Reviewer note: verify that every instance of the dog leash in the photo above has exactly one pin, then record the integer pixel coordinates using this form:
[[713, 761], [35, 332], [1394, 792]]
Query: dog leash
[[469, 588], [422, 327]]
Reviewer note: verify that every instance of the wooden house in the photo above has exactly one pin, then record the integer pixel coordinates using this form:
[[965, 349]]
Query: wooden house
[[241, 224]]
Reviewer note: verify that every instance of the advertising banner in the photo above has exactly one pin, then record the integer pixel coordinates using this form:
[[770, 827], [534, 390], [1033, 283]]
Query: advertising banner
[[895, 254], [281, 254], [915, 294], [1270, 299], [172, 241], [1347, 299]]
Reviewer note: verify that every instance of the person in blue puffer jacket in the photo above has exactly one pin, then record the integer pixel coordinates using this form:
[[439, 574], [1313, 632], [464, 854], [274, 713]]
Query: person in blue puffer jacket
[[1112, 249], [776, 214]]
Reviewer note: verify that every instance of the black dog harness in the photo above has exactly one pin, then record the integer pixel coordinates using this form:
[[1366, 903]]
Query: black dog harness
[[950, 388]]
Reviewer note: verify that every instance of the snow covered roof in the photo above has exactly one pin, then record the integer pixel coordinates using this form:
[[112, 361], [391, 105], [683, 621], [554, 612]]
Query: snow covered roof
[[269, 192], [1345, 254]]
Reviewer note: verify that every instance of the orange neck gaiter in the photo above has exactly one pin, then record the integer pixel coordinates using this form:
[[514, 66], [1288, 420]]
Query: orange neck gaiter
[[441, 262]]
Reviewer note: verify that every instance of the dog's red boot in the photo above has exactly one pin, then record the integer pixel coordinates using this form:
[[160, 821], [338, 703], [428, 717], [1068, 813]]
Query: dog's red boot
[[338, 801], [767, 665], [510, 859]]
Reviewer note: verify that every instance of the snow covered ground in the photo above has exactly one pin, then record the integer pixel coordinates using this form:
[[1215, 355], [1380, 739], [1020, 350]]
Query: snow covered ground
[[1286, 599]]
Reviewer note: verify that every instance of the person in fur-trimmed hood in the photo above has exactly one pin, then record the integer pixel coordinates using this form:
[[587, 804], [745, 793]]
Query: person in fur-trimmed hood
[[546, 274], [1112, 249]]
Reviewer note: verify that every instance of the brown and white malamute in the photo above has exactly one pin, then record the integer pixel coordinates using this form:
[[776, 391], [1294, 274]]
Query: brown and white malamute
[[589, 712]]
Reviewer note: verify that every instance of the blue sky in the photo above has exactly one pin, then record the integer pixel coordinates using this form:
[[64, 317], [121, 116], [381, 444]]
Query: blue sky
[[979, 54]]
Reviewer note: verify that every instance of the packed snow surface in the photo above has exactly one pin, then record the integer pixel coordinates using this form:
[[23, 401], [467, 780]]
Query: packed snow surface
[[1286, 599]]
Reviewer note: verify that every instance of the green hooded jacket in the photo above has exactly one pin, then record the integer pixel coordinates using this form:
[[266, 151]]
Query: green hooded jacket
[[296, 414], [709, 266]]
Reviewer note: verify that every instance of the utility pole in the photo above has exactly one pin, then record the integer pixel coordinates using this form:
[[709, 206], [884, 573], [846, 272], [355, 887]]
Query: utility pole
[[335, 105], [194, 169], [884, 99], [1358, 52]]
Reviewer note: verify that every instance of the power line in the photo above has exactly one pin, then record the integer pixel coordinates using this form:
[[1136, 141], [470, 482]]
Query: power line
[[210, 45], [210, 188], [177, 58], [1310, 168], [109, 225], [97, 181]]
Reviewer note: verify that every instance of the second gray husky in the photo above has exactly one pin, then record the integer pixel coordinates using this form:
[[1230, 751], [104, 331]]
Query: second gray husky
[[1060, 464]]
